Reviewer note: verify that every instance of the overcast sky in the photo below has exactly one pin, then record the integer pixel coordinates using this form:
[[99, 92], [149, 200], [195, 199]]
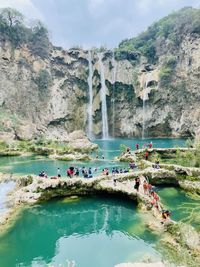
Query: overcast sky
[[89, 23]]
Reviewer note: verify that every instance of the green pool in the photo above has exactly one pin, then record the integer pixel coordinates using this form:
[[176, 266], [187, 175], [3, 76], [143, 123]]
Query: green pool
[[182, 206], [90, 232]]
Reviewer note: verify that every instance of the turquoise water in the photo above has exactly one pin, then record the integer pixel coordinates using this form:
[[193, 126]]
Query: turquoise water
[[183, 207], [91, 231], [111, 148], [108, 148], [33, 165]]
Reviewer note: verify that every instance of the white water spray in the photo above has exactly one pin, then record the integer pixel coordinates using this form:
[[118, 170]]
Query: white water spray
[[144, 99], [105, 134], [90, 112], [114, 71]]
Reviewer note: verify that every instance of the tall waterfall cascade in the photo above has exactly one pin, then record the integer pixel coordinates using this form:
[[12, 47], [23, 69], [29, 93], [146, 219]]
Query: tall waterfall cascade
[[90, 107], [105, 134], [114, 72], [145, 97]]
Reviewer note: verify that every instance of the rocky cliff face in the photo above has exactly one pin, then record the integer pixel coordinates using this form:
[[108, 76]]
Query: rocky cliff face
[[50, 96]]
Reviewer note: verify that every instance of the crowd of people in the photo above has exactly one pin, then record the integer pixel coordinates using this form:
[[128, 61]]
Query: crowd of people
[[90, 172]]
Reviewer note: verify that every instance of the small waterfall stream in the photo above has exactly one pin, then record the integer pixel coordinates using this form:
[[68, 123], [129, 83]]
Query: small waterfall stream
[[90, 110], [105, 134], [114, 71]]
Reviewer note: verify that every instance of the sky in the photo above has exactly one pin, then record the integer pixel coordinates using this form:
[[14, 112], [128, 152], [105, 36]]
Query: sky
[[95, 23]]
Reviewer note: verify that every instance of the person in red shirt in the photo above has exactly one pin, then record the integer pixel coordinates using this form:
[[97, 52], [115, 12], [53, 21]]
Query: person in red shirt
[[70, 172], [146, 155]]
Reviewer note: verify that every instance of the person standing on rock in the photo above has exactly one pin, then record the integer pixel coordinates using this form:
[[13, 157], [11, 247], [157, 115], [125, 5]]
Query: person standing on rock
[[145, 187], [137, 183], [146, 155], [58, 173], [137, 146], [151, 145]]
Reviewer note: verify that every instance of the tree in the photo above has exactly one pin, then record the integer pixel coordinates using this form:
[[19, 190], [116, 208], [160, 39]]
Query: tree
[[11, 17]]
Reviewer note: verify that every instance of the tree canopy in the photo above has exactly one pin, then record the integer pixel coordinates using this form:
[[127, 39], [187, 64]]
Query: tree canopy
[[172, 27], [14, 30]]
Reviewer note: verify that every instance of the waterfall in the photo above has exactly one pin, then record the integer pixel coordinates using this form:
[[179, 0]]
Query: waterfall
[[113, 93], [105, 134], [145, 97], [90, 113]]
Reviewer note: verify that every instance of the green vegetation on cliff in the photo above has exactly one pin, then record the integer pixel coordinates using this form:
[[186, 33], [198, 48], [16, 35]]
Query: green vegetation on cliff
[[14, 30], [167, 70], [172, 27]]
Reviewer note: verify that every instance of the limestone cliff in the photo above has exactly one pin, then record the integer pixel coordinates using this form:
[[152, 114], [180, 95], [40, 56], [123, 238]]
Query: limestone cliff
[[49, 96]]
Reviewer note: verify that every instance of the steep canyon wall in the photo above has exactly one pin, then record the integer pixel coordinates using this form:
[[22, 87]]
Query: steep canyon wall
[[51, 96]]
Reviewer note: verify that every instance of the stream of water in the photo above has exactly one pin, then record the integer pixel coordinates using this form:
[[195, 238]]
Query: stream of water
[[114, 72], [90, 109], [105, 133]]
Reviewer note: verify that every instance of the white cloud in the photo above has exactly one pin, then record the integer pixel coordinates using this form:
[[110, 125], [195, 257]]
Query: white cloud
[[26, 7]]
